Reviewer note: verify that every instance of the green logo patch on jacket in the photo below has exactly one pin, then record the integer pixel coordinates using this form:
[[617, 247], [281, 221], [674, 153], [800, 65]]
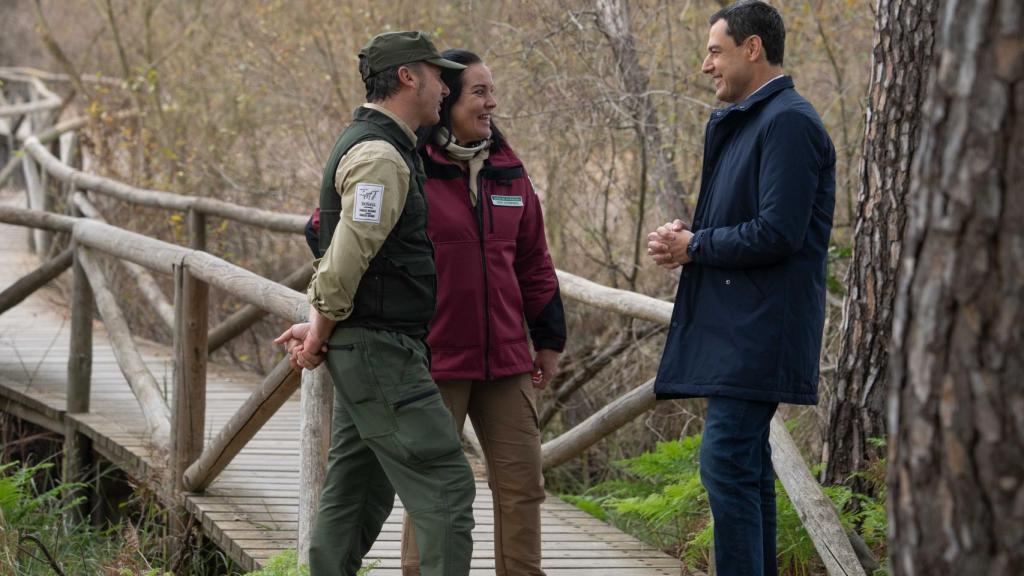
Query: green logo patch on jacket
[[507, 200]]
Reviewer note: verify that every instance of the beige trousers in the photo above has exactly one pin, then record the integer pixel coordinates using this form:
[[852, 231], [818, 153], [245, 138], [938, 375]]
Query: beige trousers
[[504, 415]]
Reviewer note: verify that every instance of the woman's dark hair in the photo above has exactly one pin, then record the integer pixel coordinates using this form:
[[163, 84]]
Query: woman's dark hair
[[453, 79]]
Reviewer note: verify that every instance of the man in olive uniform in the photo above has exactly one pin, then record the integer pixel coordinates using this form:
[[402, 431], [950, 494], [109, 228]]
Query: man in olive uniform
[[371, 299]]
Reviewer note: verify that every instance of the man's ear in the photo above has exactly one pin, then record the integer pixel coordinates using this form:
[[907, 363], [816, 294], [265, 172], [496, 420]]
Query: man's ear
[[754, 48], [407, 76]]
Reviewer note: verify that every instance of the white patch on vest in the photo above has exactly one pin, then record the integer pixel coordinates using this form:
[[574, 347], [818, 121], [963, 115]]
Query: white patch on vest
[[369, 198]]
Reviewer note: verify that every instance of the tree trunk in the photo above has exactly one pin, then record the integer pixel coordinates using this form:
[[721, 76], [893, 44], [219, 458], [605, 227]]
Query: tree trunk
[[613, 20], [956, 457], [904, 34]]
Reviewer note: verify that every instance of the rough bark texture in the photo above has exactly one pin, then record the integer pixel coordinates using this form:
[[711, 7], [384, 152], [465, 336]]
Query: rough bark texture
[[904, 35], [956, 470], [315, 413]]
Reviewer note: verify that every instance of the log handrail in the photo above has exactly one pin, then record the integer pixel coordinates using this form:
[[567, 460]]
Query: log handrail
[[32, 281], [49, 101], [143, 279], [25, 73], [270, 220]]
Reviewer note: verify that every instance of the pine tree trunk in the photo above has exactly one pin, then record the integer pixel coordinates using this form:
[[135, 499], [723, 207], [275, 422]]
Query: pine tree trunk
[[904, 34], [956, 457]]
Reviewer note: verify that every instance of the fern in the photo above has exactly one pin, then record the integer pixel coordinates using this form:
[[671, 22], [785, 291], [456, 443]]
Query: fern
[[661, 500]]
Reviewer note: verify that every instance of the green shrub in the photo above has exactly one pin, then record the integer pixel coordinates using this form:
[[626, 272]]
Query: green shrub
[[661, 500], [33, 518], [286, 563]]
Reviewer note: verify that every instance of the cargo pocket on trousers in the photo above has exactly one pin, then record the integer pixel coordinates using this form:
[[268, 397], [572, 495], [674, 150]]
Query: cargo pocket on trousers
[[350, 371], [425, 427]]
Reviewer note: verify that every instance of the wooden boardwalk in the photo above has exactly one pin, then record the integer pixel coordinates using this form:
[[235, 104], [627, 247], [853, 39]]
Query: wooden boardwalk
[[251, 510]]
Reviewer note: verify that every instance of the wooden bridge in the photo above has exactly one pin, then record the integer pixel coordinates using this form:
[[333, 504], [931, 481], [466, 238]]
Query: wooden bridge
[[241, 453]]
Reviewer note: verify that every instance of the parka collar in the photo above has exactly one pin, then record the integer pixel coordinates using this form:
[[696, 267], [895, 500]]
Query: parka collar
[[764, 93]]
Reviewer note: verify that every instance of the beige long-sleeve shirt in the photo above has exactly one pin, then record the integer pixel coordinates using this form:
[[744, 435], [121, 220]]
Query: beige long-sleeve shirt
[[373, 181]]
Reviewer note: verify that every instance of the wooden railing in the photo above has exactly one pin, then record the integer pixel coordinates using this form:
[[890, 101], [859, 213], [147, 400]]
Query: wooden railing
[[176, 430]]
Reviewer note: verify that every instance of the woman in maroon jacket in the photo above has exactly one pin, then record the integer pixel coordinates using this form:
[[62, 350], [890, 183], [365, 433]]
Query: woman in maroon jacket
[[493, 272]]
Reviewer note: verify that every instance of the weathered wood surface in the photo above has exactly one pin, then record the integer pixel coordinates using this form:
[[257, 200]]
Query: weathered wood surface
[[143, 279], [260, 407], [32, 281], [143, 384], [162, 257], [156, 198], [26, 73], [80, 341], [315, 412], [251, 510], [817, 513], [190, 363], [248, 315], [290, 304], [613, 416], [36, 191], [28, 108], [35, 219], [618, 301]]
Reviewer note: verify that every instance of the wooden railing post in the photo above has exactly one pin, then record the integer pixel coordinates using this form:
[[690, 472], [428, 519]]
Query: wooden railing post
[[38, 238], [77, 447], [196, 230], [188, 412], [315, 412]]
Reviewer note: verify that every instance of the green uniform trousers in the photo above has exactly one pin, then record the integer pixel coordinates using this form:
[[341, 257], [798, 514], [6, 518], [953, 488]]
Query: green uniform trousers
[[391, 433]]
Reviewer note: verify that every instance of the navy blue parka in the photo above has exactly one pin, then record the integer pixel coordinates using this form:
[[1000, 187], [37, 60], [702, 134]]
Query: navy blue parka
[[750, 308]]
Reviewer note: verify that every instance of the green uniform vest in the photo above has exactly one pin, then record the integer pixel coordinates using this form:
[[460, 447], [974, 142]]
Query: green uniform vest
[[397, 292]]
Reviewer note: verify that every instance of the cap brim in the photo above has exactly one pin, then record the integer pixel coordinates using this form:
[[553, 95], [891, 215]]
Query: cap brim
[[446, 64]]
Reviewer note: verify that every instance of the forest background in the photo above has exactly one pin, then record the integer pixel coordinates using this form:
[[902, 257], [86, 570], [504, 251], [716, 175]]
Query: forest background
[[603, 99]]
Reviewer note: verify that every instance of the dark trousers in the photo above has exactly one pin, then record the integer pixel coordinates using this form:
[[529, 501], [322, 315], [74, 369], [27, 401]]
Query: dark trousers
[[736, 469]]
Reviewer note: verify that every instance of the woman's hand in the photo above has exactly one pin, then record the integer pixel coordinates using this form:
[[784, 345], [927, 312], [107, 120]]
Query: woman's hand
[[546, 364]]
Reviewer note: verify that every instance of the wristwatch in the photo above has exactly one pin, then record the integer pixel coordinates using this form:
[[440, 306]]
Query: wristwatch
[[693, 246]]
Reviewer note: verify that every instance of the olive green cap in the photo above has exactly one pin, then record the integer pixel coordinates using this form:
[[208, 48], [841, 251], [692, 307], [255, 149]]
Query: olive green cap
[[394, 48]]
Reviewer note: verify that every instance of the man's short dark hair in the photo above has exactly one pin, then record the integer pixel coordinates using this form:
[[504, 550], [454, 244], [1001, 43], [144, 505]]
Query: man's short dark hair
[[383, 84], [755, 18]]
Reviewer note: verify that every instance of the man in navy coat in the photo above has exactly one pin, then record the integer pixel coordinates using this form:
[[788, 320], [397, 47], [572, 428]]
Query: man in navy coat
[[747, 325]]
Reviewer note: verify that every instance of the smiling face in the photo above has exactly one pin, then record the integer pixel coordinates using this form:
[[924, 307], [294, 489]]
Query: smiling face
[[731, 67], [471, 114]]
